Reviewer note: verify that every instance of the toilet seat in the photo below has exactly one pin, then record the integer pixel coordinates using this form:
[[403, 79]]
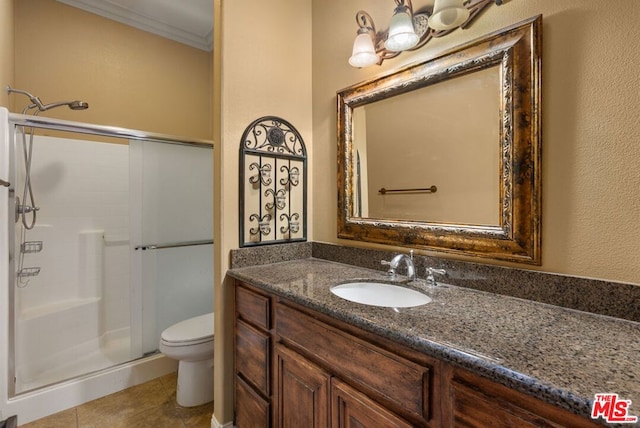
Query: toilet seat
[[192, 331]]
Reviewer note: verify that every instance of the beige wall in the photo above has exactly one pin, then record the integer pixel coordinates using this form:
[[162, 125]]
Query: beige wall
[[265, 70], [130, 78], [590, 161], [6, 49]]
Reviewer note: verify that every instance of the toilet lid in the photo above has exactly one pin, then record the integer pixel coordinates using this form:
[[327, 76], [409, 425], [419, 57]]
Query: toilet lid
[[189, 330]]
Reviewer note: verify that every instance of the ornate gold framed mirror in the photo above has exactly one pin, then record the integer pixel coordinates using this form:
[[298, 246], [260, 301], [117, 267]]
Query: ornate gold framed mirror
[[445, 155]]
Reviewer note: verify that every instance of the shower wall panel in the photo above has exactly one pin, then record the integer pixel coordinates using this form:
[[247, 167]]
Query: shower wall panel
[[79, 303]]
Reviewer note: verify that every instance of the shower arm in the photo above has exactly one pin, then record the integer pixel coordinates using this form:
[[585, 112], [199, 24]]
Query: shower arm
[[35, 100], [36, 103]]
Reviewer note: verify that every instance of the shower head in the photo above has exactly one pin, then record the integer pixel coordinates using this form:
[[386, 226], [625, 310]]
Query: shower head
[[78, 105], [36, 103], [73, 105]]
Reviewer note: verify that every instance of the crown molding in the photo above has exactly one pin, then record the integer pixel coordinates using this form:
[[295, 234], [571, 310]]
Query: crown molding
[[134, 18]]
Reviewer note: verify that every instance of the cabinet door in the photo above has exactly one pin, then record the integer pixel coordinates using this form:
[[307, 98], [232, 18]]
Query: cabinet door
[[301, 392], [352, 409]]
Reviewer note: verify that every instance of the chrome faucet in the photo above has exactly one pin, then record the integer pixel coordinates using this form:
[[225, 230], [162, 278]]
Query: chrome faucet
[[395, 262]]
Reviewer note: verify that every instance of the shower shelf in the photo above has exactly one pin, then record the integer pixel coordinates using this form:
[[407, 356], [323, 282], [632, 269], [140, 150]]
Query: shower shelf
[[31, 247], [27, 272]]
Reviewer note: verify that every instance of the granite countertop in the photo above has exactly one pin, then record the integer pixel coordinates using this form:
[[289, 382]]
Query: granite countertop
[[559, 355]]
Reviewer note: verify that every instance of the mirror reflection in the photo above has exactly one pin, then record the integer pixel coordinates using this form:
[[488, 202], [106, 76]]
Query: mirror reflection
[[445, 135]]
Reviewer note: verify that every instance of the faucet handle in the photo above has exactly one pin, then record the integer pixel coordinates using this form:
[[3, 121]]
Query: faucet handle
[[431, 280], [391, 271]]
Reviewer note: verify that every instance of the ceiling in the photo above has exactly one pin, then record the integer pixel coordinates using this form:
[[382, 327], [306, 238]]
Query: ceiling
[[185, 21]]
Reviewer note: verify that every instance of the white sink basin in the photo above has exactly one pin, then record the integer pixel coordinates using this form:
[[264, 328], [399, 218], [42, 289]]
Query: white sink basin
[[379, 294]]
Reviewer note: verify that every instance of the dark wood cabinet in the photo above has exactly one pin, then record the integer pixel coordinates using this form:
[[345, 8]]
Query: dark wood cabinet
[[252, 410], [299, 368], [478, 403], [296, 368], [301, 392], [396, 382], [352, 409], [252, 350]]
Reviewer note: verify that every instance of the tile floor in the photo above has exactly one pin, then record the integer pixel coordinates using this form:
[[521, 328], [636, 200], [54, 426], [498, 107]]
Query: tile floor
[[150, 405]]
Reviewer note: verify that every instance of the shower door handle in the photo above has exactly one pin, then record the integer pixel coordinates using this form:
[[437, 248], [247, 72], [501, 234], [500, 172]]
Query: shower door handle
[[175, 245], [4, 183]]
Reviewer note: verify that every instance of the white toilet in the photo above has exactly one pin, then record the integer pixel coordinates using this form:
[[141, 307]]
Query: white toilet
[[191, 343]]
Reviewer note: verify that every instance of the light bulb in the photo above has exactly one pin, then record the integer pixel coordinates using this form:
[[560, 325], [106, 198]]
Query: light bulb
[[364, 53], [448, 14], [402, 35]]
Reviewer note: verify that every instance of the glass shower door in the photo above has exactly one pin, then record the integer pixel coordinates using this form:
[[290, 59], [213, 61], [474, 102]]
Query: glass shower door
[[121, 249], [172, 235]]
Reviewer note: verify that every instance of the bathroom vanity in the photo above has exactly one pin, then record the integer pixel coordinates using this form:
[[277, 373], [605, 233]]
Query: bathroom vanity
[[305, 357]]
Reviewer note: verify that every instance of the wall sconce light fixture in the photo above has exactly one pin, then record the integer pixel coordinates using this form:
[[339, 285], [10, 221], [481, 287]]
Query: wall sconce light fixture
[[410, 31]]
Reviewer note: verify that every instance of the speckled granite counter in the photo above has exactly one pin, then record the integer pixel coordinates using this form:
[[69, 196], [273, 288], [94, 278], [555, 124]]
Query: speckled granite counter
[[559, 355]]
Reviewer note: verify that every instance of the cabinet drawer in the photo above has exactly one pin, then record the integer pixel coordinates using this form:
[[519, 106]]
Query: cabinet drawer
[[253, 352], [253, 307], [381, 375], [252, 411], [474, 410]]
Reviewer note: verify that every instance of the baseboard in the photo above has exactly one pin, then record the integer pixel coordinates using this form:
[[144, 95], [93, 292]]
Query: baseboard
[[216, 424]]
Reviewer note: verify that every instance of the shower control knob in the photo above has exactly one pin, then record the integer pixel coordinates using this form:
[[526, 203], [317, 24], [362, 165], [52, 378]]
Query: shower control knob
[[26, 209]]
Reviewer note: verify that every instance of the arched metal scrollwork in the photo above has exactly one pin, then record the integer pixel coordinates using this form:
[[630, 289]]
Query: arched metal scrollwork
[[273, 172]]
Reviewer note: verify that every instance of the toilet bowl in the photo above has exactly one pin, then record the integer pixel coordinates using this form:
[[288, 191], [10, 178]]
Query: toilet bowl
[[191, 343]]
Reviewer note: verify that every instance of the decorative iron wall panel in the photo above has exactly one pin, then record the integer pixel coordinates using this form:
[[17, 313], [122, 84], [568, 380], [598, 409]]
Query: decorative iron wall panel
[[273, 183]]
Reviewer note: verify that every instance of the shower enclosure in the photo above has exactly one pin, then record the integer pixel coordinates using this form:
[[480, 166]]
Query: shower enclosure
[[112, 243]]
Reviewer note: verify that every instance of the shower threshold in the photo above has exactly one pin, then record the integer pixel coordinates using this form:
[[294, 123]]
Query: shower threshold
[[72, 365]]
